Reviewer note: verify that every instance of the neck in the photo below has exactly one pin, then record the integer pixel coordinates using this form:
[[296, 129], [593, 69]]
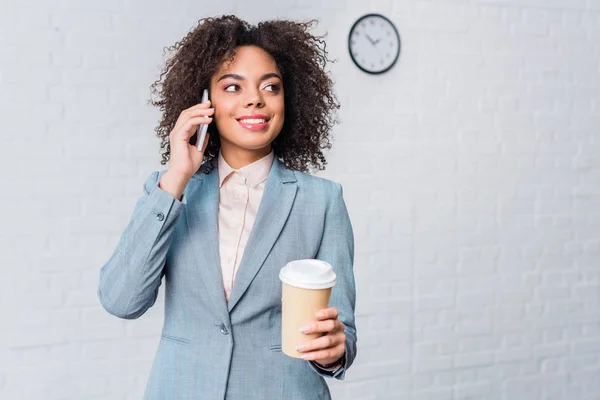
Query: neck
[[238, 157]]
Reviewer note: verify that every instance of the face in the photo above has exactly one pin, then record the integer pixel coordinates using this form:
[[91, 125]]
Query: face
[[247, 95]]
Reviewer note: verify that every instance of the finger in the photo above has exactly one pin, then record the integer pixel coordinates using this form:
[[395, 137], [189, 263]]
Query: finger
[[206, 104], [187, 114], [324, 342], [188, 129], [320, 326], [327, 313], [331, 353], [207, 112], [198, 109]]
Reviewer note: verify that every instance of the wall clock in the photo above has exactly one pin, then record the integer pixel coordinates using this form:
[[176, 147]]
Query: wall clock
[[374, 43]]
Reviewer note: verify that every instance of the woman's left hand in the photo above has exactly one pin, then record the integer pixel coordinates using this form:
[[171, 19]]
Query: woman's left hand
[[328, 348]]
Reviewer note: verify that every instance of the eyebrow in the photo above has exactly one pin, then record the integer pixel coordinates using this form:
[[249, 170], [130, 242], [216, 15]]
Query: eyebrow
[[241, 78]]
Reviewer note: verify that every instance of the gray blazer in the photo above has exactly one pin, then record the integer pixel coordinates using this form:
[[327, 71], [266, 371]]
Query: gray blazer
[[211, 348]]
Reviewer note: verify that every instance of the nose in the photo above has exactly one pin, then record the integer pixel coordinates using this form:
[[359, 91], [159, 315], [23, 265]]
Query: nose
[[254, 98]]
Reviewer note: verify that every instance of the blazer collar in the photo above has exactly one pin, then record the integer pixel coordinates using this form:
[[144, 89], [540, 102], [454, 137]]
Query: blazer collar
[[202, 223], [273, 212]]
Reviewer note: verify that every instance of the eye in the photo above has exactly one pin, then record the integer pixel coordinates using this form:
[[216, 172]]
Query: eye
[[272, 87], [229, 88]]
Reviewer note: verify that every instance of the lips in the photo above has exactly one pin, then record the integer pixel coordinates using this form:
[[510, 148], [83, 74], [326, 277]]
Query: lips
[[253, 122]]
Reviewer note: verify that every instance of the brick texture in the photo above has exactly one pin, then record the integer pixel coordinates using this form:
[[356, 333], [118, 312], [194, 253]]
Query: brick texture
[[470, 170]]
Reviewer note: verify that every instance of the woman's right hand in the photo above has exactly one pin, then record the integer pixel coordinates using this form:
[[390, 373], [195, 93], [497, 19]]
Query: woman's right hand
[[185, 158]]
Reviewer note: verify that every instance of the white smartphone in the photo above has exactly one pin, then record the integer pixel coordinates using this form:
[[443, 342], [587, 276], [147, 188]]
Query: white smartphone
[[202, 128]]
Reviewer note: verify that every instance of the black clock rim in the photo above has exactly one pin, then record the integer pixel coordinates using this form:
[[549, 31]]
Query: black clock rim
[[378, 72]]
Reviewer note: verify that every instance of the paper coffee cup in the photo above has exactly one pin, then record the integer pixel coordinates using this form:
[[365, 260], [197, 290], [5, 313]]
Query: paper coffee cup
[[306, 288]]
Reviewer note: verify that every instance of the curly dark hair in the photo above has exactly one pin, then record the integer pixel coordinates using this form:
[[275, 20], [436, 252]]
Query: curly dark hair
[[310, 104]]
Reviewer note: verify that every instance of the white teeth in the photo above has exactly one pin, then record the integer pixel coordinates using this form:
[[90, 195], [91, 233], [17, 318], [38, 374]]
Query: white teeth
[[253, 121]]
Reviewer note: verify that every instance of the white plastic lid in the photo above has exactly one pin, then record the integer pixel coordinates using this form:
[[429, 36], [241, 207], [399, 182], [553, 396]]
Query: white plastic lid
[[308, 274]]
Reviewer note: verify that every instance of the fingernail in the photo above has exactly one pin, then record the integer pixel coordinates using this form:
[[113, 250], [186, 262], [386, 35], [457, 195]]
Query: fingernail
[[320, 314], [303, 329], [299, 347], [303, 356]]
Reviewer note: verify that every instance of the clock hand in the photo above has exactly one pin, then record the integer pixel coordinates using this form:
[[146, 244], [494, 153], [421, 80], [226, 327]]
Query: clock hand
[[370, 40], [377, 41]]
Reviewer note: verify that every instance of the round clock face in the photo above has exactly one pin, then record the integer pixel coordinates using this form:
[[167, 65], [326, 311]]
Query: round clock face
[[374, 43]]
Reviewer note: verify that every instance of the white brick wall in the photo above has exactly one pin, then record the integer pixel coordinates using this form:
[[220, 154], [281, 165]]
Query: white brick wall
[[471, 173]]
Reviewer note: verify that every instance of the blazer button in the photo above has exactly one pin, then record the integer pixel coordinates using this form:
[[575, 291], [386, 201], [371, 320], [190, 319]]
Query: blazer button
[[224, 330], [160, 216]]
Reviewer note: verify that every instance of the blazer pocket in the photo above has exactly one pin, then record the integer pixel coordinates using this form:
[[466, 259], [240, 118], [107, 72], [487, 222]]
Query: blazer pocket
[[275, 347], [175, 339]]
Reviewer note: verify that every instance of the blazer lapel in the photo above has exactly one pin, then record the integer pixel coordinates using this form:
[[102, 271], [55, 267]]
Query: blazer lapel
[[275, 206], [202, 226]]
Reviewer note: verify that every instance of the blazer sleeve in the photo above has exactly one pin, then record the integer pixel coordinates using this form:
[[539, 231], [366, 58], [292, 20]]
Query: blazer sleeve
[[130, 279], [337, 248]]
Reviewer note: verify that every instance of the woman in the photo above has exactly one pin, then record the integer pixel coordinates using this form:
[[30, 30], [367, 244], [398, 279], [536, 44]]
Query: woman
[[221, 221]]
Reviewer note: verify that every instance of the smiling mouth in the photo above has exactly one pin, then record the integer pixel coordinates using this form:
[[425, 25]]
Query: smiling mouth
[[253, 123]]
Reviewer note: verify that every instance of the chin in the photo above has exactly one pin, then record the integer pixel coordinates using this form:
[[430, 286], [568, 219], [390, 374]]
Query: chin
[[253, 145], [254, 141]]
